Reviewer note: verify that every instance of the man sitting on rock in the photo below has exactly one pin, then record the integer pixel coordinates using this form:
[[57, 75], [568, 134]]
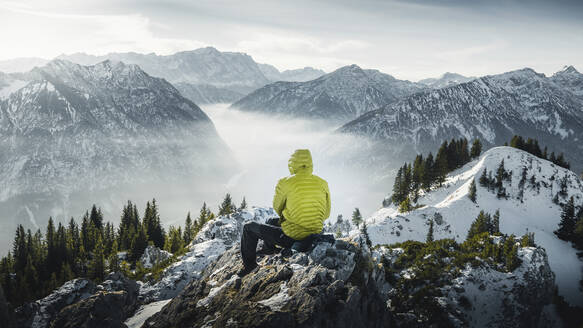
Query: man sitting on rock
[[302, 201]]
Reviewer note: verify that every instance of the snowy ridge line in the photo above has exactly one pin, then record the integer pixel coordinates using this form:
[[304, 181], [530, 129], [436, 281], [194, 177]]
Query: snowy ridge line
[[452, 211]]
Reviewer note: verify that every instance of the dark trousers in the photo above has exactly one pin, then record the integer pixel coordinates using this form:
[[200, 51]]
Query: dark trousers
[[270, 233]]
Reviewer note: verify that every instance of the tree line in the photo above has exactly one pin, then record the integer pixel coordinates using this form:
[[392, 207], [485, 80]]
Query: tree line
[[531, 146], [427, 172], [40, 262], [571, 224]]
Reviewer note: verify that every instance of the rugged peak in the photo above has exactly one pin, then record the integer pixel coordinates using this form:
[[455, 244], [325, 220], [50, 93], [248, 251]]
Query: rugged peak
[[348, 69], [568, 69]]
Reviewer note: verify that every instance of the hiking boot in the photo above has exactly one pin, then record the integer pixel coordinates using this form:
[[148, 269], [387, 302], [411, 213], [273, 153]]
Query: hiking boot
[[267, 251], [245, 271]]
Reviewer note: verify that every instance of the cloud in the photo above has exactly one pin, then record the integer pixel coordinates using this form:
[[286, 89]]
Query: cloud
[[92, 33], [299, 50], [466, 52]]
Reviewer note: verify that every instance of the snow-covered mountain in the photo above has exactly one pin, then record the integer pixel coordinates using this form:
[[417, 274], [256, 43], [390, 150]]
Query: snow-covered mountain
[[339, 96], [291, 75], [491, 108], [69, 131], [570, 79], [446, 80], [530, 207]]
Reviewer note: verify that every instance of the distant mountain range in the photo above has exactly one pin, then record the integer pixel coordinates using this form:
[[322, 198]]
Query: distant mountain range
[[204, 75], [69, 131], [491, 108], [340, 96]]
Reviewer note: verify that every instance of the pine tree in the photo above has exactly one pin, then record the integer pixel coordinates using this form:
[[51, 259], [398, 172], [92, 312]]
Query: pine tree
[[227, 207], [496, 223], [19, 249], [138, 244], [243, 204], [430, 233], [51, 247], [512, 260], [428, 174], [511, 253], [188, 230], [97, 265], [527, 239], [174, 242], [399, 193], [442, 165], [405, 206], [114, 265], [356, 217], [364, 232], [482, 223], [568, 221], [96, 217], [499, 183], [153, 226], [417, 178], [204, 216], [472, 191]]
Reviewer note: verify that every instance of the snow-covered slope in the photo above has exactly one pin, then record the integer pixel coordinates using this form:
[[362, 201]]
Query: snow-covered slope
[[339, 96], [491, 108], [446, 80], [453, 212], [66, 128]]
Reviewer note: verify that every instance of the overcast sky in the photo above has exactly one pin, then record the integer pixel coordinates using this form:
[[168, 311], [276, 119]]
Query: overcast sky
[[408, 39]]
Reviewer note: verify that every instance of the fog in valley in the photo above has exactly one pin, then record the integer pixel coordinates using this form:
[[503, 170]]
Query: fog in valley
[[262, 146]]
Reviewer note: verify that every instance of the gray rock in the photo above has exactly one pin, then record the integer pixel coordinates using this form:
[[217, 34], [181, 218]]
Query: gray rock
[[330, 291]]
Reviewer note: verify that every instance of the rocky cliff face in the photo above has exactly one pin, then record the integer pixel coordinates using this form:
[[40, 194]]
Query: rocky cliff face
[[82, 303], [326, 288]]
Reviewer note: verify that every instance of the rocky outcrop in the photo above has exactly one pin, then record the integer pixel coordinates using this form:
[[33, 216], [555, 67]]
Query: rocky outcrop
[[332, 286], [213, 240], [74, 293], [102, 310], [39, 314], [153, 255]]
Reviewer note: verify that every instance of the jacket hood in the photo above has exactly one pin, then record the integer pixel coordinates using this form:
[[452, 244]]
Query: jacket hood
[[300, 162]]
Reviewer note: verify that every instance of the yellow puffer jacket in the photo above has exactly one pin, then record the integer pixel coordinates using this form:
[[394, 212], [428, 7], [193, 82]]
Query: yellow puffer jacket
[[302, 199]]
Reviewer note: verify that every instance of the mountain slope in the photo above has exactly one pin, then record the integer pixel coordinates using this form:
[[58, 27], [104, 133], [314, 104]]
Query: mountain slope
[[74, 131], [530, 207], [338, 96], [491, 108]]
